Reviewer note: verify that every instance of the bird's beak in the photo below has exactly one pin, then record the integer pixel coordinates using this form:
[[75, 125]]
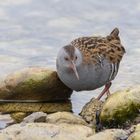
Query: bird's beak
[[74, 69]]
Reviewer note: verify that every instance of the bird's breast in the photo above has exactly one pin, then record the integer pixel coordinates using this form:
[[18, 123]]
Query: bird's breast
[[90, 76]]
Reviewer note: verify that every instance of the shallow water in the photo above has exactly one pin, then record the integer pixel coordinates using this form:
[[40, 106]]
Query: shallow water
[[32, 32]]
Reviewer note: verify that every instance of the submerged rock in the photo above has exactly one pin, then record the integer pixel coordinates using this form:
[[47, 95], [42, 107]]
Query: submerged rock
[[34, 84], [121, 107], [46, 131]]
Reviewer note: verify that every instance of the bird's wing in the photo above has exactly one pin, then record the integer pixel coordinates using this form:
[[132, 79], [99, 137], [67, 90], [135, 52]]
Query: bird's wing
[[96, 49]]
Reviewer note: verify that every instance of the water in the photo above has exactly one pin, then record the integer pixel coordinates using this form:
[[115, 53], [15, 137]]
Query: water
[[32, 32]]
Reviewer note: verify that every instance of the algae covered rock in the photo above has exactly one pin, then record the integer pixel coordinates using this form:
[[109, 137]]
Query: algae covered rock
[[89, 111], [35, 107], [18, 116], [21, 110], [46, 131], [34, 84], [120, 107], [32, 90]]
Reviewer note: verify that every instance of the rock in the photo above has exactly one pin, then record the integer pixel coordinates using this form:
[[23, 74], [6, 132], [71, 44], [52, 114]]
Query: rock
[[46, 131], [5, 120], [28, 86], [35, 117], [110, 134], [35, 107], [90, 109], [137, 127], [34, 84], [65, 117], [18, 116], [136, 134], [121, 107], [4, 137], [28, 108]]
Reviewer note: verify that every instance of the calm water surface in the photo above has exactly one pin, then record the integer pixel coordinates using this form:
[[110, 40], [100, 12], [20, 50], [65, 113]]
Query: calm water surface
[[32, 32]]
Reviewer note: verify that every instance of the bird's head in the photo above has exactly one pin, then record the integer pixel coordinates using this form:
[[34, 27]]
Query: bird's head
[[70, 57]]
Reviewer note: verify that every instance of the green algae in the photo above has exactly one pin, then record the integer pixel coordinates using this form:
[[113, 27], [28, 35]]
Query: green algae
[[121, 107], [35, 84]]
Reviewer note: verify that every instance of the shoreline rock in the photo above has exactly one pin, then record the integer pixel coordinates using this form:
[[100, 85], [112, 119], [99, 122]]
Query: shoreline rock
[[32, 90], [65, 117], [46, 131], [90, 109], [34, 84], [63, 126], [35, 107], [121, 108]]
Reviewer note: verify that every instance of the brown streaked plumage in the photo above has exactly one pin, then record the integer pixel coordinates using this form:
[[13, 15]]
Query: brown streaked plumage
[[92, 47]]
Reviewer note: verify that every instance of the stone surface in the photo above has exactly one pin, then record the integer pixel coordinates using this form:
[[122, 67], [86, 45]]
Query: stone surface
[[122, 106], [35, 117], [136, 134], [18, 116], [21, 110], [34, 84], [34, 107], [65, 117], [4, 137], [110, 134], [90, 109], [38, 84], [46, 131]]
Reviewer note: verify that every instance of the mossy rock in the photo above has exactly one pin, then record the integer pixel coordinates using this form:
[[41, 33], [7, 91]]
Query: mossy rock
[[90, 109], [34, 84], [18, 116], [122, 106], [20, 110]]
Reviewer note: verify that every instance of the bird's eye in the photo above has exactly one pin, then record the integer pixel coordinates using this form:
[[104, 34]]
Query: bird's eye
[[76, 58], [66, 58]]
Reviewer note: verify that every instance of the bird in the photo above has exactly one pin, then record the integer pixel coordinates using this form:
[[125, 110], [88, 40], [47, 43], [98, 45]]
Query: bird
[[90, 62]]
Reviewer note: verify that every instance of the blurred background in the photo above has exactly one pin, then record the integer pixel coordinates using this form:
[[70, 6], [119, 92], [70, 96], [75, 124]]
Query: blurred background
[[32, 32]]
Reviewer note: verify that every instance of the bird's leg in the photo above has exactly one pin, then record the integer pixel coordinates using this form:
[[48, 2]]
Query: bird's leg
[[108, 93], [105, 90]]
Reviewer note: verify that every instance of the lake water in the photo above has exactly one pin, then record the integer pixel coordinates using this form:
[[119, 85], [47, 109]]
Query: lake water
[[32, 32]]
